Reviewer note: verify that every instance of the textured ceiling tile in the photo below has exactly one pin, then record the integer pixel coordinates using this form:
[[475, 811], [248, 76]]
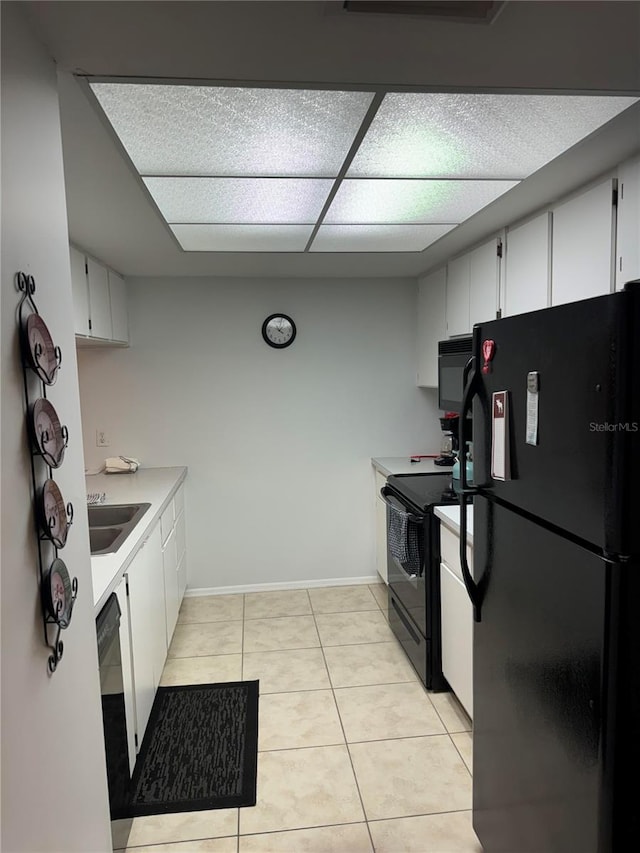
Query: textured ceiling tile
[[403, 201], [468, 135], [239, 200], [377, 238], [242, 238], [209, 130]]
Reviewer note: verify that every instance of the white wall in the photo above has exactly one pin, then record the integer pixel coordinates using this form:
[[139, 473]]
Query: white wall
[[278, 443], [54, 794]]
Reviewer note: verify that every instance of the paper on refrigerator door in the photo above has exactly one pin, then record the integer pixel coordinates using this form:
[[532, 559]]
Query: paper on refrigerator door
[[500, 436], [533, 388]]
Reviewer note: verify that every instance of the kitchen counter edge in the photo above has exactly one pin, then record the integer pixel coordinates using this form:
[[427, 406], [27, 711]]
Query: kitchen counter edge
[[390, 465], [156, 486], [450, 517]]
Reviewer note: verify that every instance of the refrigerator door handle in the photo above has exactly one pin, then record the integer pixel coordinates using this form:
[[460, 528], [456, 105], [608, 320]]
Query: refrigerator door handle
[[470, 391]]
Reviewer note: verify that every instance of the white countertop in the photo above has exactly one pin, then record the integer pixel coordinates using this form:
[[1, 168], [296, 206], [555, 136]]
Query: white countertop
[[389, 465], [148, 485], [450, 517]]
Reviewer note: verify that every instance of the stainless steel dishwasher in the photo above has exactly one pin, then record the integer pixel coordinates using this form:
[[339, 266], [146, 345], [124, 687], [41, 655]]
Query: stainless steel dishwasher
[[114, 717]]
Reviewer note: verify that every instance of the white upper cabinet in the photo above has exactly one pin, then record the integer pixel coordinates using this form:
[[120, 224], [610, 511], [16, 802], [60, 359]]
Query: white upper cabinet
[[472, 288], [484, 273], [118, 299], [432, 325], [582, 250], [80, 291], [526, 266], [458, 296], [628, 232], [99, 301]]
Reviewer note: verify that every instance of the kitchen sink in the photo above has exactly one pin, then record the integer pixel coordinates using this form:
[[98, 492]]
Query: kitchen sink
[[115, 514], [102, 538], [110, 525]]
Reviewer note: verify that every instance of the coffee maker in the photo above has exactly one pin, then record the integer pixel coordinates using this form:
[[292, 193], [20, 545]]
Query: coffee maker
[[449, 444]]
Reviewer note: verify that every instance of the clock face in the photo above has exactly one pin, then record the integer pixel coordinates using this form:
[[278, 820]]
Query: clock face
[[279, 331]]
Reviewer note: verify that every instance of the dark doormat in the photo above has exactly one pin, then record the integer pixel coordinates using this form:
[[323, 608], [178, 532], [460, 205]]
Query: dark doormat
[[200, 750]]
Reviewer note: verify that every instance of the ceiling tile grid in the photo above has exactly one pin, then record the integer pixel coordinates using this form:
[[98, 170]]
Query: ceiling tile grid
[[235, 168]]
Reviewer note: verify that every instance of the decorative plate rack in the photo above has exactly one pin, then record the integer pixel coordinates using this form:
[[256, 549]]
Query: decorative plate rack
[[41, 361]]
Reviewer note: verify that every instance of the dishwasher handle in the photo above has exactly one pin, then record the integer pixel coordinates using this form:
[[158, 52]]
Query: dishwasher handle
[[387, 494]]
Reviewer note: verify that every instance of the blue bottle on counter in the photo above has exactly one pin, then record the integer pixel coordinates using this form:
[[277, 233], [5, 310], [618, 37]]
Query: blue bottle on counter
[[455, 474]]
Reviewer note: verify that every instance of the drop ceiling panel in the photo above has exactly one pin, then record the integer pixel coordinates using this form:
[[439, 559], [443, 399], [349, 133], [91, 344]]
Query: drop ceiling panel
[[471, 135], [377, 238], [242, 238], [404, 201], [207, 130], [239, 200]]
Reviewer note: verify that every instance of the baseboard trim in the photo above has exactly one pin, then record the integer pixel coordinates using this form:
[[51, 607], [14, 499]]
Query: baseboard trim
[[272, 587]]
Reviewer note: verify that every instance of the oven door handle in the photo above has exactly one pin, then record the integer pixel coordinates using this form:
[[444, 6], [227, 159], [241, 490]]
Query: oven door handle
[[386, 494]]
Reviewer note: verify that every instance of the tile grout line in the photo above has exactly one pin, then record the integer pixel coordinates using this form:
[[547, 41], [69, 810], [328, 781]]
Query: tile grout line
[[296, 829], [344, 735], [351, 742]]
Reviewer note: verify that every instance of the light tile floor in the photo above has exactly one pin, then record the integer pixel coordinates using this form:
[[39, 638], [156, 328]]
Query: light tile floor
[[355, 756]]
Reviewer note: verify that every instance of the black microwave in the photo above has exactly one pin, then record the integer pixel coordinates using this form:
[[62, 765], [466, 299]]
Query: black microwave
[[453, 356]]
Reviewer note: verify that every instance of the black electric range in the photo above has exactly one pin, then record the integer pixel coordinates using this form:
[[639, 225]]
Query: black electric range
[[414, 588]]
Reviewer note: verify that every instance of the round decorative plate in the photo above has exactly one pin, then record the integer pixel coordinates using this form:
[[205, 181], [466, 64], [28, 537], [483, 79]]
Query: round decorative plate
[[50, 439], [58, 593], [42, 355], [55, 517]]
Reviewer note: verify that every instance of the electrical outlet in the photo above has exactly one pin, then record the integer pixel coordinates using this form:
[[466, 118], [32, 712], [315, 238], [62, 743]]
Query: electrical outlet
[[102, 439]]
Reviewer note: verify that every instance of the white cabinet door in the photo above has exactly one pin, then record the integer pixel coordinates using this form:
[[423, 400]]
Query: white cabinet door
[[458, 297], [381, 540], [582, 250], [99, 301], [142, 646], [484, 275], [182, 576], [181, 536], [171, 589], [457, 637], [381, 526], [127, 670], [148, 626], [118, 299], [80, 291], [628, 228], [432, 325], [527, 259], [157, 606]]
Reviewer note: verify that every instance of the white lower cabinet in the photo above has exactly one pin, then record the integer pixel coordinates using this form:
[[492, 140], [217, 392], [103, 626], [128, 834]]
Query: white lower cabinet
[[457, 620], [181, 551], [172, 526], [381, 528], [147, 626], [457, 637], [171, 588], [127, 670], [149, 596]]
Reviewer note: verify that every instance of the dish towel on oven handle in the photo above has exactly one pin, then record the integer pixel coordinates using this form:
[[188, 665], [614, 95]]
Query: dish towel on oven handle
[[402, 539]]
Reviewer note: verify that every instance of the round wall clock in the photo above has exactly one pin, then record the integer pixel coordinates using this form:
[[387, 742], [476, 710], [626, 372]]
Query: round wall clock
[[279, 331]]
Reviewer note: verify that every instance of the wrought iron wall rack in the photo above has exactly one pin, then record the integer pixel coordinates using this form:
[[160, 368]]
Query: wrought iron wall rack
[[41, 361]]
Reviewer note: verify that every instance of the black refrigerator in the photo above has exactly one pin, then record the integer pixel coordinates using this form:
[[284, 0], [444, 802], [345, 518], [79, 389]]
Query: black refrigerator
[[555, 396]]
